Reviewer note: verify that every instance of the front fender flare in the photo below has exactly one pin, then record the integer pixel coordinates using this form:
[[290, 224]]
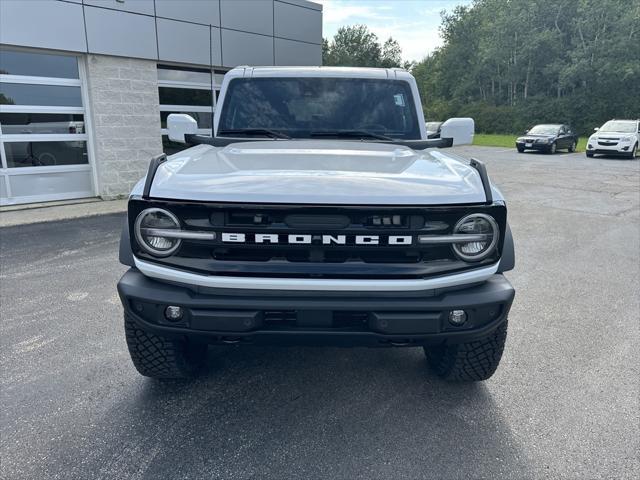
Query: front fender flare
[[125, 255], [508, 259]]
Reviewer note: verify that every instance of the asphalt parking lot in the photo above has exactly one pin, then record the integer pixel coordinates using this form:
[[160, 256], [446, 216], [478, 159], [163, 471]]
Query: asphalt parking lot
[[563, 404]]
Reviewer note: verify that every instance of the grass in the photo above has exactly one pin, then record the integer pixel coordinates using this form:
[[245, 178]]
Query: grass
[[495, 140], [509, 140]]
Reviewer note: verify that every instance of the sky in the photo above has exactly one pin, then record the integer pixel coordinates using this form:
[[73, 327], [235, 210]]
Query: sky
[[413, 23]]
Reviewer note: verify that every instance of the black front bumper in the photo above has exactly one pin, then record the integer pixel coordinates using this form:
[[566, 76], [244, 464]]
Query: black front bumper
[[604, 151], [534, 146], [361, 319]]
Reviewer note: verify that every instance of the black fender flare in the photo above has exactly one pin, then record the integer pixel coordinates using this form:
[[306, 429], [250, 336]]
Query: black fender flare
[[508, 259], [125, 254]]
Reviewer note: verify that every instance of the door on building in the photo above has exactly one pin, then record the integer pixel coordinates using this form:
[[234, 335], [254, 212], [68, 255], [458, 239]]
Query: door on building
[[189, 90], [43, 128]]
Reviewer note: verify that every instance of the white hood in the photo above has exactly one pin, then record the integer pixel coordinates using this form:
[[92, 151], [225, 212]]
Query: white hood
[[317, 172]]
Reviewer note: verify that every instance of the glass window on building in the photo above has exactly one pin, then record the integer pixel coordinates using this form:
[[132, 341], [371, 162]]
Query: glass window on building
[[43, 137], [187, 90]]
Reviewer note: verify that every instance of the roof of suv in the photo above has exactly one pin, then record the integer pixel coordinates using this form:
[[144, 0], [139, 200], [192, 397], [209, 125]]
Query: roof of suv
[[349, 72]]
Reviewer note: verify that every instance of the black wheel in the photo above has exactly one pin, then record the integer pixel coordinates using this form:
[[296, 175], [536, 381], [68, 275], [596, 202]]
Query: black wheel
[[160, 357], [589, 155], [468, 362], [520, 149], [552, 149], [633, 152], [572, 147]]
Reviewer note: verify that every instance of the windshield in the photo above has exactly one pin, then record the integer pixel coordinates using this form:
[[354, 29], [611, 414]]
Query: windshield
[[306, 107], [619, 126], [544, 130]]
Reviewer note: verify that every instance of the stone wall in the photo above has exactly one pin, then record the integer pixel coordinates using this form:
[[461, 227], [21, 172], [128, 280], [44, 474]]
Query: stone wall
[[123, 98]]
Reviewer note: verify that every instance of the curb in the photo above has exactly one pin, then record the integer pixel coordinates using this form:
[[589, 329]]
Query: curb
[[43, 214]]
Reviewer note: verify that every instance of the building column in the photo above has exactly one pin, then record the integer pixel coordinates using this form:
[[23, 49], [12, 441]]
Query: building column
[[125, 119]]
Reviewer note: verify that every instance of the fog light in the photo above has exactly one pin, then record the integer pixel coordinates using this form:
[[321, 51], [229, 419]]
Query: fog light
[[173, 313], [457, 317]]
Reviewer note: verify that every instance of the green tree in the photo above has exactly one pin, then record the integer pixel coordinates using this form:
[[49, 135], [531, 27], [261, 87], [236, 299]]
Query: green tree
[[391, 54], [511, 63], [357, 46]]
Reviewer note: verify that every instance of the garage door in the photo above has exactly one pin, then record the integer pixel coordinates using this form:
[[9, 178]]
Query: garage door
[[43, 129]]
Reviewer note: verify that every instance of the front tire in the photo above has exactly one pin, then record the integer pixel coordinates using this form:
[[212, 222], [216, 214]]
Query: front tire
[[471, 361], [572, 147], [633, 152], [552, 148], [520, 149], [160, 357], [589, 155]]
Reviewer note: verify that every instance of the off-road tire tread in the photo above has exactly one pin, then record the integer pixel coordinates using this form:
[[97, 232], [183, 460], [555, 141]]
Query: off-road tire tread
[[159, 357], [471, 361]]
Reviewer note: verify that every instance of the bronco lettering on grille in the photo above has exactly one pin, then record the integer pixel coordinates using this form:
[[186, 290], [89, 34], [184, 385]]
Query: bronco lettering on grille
[[309, 239]]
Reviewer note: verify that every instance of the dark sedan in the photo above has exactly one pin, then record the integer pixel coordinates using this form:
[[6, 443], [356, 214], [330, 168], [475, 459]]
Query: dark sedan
[[548, 138]]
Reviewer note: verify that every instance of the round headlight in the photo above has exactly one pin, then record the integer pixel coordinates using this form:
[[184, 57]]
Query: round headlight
[[486, 233], [150, 226]]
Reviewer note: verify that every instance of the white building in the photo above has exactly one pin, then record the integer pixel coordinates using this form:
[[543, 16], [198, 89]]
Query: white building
[[86, 85]]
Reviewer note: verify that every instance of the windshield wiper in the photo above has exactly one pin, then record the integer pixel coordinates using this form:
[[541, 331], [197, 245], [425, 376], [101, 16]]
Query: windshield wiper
[[255, 131], [349, 134]]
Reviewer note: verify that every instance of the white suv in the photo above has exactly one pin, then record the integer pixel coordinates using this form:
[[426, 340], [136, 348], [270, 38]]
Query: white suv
[[319, 213], [616, 137]]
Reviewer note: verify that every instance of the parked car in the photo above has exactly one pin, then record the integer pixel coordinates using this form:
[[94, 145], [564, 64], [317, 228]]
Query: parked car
[[311, 217], [616, 137], [433, 129], [548, 138]]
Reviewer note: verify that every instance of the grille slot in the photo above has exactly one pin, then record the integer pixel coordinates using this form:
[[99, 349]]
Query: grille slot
[[244, 219], [279, 318], [243, 254], [317, 221], [329, 255], [354, 320]]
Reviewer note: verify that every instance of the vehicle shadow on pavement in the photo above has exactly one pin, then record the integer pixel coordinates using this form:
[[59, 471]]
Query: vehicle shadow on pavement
[[270, 412]]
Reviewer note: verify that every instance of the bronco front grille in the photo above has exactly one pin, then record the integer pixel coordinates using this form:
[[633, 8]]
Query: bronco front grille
[[316, 241]]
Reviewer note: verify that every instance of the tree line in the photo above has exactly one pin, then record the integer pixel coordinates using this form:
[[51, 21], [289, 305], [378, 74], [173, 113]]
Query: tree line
[[512, 63], [357, 46]]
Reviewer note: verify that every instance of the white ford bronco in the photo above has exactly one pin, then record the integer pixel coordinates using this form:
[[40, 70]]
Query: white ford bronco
[[318, 213]]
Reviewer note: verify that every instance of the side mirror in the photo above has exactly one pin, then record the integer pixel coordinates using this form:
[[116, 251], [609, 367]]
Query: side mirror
[[461, 130], [179, 125]]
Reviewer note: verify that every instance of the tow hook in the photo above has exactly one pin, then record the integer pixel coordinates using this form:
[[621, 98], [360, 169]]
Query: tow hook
[[231, 340]]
